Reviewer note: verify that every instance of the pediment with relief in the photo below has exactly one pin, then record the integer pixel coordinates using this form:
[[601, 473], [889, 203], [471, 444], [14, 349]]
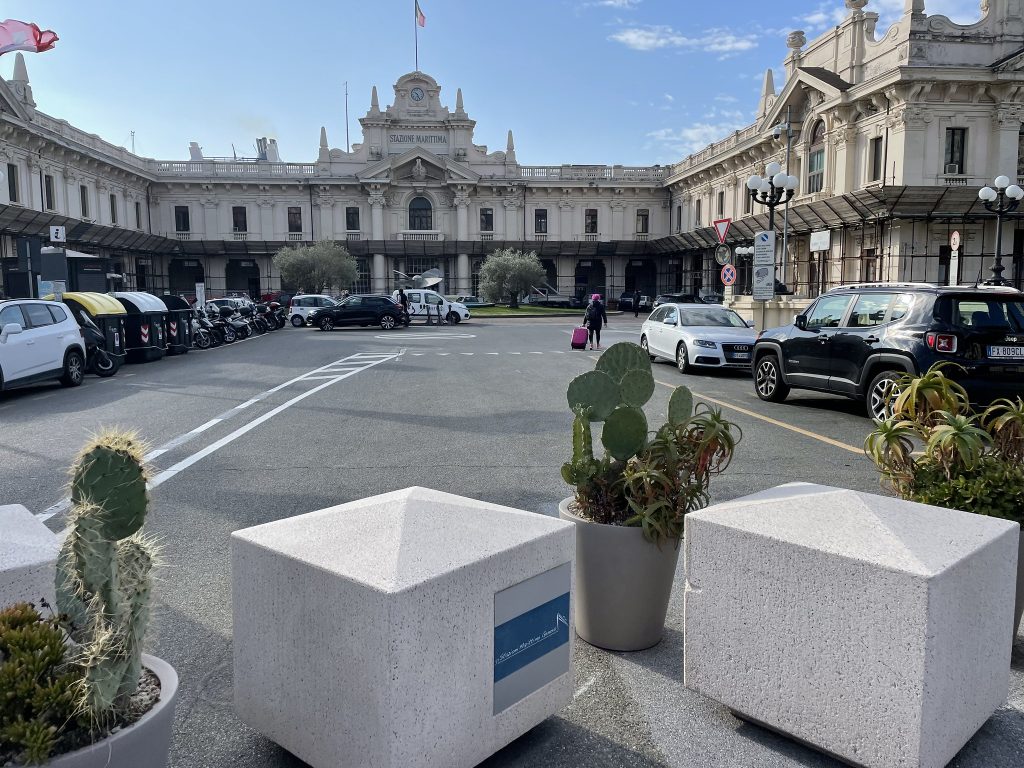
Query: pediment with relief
[[418, 165]]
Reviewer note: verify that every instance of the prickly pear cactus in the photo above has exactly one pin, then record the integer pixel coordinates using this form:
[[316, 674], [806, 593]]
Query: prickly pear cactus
[[103, 569]]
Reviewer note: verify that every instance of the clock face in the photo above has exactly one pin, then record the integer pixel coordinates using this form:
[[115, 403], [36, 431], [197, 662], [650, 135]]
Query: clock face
[[416, 94]]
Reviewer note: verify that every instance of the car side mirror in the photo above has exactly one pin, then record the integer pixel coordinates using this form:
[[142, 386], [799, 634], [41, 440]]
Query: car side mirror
[[669, 321], [750, 324], [800, 321], [10, 330]]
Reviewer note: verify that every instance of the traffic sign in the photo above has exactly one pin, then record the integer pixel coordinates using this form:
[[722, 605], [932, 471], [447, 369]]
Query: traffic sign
[[763, 282], [723, 254], [722, 228], [954, 240], [728, 274], [58, 235]]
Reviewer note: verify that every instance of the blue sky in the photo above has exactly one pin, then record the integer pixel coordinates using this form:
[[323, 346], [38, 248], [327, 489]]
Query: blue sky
[[635, 82]]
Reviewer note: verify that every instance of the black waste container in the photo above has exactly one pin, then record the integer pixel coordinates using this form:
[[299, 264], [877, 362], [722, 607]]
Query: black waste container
[[179, 324], [144, 326], [106, 313]]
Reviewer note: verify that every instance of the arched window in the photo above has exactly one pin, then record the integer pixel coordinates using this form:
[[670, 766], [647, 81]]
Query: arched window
[[816, 159], [420, 214]]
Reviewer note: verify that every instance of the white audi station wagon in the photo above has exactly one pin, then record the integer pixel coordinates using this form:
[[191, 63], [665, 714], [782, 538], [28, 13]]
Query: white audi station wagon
[[39, 341], [698, 336]]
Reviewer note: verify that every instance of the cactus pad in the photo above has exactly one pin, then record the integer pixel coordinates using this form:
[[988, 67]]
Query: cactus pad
[[596, 393], [625, 432], [636, 387], [622, 357], [113, 481], [680, 406]]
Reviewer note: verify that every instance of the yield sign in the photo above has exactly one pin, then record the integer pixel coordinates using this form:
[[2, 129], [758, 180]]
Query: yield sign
[[722, 228]]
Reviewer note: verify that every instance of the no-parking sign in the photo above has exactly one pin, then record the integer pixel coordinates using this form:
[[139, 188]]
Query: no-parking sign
[[728, 274]]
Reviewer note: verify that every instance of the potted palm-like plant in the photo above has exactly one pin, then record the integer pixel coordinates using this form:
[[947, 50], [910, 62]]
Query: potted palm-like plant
[[968, 460], [629, 505], [76, 689]]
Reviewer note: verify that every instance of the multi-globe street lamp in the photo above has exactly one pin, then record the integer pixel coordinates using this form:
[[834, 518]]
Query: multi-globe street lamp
[[775, 189], [1001, 200]]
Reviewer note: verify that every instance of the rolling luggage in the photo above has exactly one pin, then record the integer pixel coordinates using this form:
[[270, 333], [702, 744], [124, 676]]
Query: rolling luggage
[[579, 338]]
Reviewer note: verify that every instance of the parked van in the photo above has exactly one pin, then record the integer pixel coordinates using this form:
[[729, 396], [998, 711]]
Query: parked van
[[420, 300]]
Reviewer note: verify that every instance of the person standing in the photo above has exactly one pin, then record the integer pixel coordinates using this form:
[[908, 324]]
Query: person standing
[[404, 301], [636, 302], [594, 318]]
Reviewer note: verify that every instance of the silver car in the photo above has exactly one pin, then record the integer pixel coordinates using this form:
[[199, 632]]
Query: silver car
[[698, 335]]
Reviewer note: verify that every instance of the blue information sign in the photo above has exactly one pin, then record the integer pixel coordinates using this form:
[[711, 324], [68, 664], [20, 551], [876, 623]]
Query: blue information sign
[[530, 635]]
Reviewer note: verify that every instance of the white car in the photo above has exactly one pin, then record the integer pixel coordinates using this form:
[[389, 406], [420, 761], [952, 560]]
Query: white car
[[422, 301], [39, 340], [698, 335], [302, 305]]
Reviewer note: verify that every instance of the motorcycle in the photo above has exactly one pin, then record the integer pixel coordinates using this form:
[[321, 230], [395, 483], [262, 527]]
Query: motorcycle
[[278, 313], [222, 326], [203, 336], [97, 359], [242, 329]]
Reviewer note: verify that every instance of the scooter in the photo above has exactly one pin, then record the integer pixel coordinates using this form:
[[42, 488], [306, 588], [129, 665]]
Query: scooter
[[202, 335], [222, 326], [278, 313], [97, 359]]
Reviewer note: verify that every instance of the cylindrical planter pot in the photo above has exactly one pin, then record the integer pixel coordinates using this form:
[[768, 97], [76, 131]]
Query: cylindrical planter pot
[[1018, 608], [145, 743], [623, 584]]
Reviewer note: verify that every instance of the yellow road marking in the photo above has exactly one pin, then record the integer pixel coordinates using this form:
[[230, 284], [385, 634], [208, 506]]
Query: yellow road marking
[[776, 422]]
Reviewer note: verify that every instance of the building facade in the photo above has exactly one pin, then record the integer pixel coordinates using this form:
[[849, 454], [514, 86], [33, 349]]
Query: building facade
[[893, 132]]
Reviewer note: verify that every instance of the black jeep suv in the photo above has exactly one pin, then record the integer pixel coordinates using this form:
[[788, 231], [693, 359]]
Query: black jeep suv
[[360, 309], [856, 340]]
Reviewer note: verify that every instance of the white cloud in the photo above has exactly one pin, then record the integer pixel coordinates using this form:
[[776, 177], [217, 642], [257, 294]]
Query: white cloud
[[669, 97], [724, 97], [654, 37], [621, 4], [826, 15], [685, 141]]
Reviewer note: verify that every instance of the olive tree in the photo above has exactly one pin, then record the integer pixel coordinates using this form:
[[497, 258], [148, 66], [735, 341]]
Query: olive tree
[[508, 272], [315, 268]]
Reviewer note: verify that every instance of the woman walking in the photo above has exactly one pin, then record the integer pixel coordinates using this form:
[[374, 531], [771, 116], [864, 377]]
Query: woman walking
[[594, 318]]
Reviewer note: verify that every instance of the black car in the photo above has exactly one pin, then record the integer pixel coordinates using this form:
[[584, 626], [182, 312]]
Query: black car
[[856, 340], [359, 309]]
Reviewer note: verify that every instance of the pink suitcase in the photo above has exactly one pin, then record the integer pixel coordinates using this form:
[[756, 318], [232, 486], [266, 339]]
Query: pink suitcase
[[579, 338]]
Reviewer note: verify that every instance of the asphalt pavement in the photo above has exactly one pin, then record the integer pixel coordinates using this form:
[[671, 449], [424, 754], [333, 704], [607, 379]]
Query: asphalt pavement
[[299, 420]]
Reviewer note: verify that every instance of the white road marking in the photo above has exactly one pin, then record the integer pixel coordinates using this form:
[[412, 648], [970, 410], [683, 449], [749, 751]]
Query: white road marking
[[465, 353], [493, 353], [418, 336], [444, 354], [206, 426]]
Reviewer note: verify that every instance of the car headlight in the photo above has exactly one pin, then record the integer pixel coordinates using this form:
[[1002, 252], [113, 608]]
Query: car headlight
[[705, 343]]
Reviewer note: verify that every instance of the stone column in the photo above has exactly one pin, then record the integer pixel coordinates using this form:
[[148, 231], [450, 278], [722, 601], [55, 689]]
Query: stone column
[[565, 228], [210, 219], [379, 273], [266, 207], [462, 216], [464, 278], [1007, 124], [909, 125], [326, 205], [512, 219], [618, 231]]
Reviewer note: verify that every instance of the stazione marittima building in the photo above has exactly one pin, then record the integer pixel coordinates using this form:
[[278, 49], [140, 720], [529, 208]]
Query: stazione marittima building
[[895, 130]]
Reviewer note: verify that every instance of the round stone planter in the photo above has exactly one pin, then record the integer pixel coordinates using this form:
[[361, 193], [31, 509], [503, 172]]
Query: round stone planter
[[144, 744], [623, 584]]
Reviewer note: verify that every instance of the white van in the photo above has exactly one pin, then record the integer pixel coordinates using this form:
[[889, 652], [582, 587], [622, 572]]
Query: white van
[[422, 300]]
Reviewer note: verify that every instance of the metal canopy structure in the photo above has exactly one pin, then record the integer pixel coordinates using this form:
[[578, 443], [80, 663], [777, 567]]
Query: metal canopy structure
[[18, 221]]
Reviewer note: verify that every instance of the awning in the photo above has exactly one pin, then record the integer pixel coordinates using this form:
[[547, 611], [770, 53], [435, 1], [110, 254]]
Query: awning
[[18, 221]]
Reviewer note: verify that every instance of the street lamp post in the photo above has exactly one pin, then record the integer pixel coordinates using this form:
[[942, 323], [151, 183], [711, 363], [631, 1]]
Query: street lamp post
[[775, 189], [1001, 200], [744, 252]]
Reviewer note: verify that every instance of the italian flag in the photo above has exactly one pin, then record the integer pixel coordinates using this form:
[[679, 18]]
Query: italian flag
[[421, 19], [20, 36]]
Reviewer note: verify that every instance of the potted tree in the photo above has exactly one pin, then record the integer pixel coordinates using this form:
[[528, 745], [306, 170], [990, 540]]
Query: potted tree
[[968, 460], [629, 505], [87, 696]]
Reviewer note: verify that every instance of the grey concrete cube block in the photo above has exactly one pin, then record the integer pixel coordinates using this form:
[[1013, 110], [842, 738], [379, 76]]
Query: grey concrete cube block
[[415, 628], [28, 557], [872, 628]]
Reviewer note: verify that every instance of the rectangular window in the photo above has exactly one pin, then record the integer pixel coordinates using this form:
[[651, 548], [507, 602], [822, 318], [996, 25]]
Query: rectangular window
[[870, 266], [590, 221], [696, 214], [679, 218], [816, 171], [643, 218], [83, 195], [956, 151], [352, 219], [540, 221], [294, 218], [486, 219], [181, 220], [748, 201], [870, 310], [48, 189], [113, 209], [239, 221], [875, 158], [721, 204], [138, 215], [12, 182]]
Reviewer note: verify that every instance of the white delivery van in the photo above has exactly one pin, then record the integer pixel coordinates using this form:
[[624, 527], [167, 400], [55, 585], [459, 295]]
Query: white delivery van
[[421, 301]]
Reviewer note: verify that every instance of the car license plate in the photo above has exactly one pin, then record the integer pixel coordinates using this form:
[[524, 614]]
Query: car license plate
[[1014, 352], [741, 355]]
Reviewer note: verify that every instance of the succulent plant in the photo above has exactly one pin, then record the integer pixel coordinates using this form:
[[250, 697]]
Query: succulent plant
[[103, 570]]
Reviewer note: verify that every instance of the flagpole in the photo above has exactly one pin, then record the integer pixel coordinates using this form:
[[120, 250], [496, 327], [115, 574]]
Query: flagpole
[[416, 33]]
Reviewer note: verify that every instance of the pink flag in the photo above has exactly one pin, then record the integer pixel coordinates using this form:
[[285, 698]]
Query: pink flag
[[19, 36], [421, 19]]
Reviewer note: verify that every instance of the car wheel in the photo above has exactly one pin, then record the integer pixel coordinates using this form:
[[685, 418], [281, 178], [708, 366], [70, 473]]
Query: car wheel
[[387, 322], [645, 348], [298, 321], [74, 369], [682, 360], [327, 324], [453, 317], [768, 381], [878, 402]]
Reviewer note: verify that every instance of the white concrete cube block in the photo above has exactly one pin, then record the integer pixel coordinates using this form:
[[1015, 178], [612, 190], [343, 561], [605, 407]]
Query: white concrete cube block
[[415, 628], [28, 558], [872, 628]]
